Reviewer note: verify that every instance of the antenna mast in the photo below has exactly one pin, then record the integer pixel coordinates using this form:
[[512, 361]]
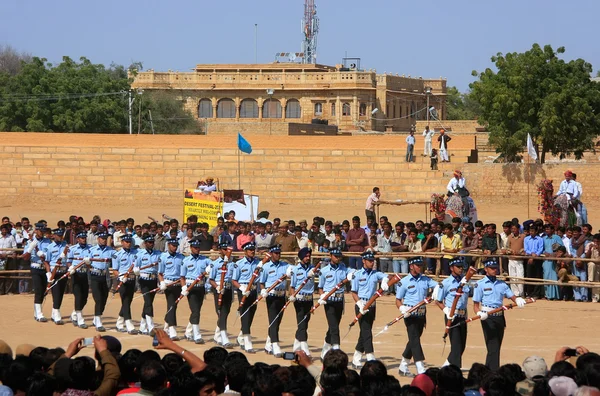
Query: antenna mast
[[310, 25]]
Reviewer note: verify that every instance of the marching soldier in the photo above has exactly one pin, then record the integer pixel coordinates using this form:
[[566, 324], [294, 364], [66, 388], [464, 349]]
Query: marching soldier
[[364, 285], [303, 301], [413, 289], [222, 269], [79, 254], [242, 275], [101, 257], [195, 266], [445, 298], [270, 275], [331, 275], [169, 271], [145, 268], [489, 293], [122, 266], [34, 251], [55, 263]]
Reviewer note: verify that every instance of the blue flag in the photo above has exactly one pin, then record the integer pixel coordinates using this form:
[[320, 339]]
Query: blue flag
[[243, 144]]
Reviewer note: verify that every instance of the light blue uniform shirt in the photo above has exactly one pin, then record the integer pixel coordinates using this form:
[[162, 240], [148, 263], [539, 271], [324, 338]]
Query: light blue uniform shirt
[[217, 269], [169, 265], [299, 274], [447, 292], [76, 253], [366, 282], [413, 290], [146, 257], [271, 272], [331, 275], [123, 260], [101, 252], [41, 247], [243, 269], [193, 266], [491, 294], [52, 253]]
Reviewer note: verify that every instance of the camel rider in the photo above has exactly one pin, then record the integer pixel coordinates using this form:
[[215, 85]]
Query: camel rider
[[570, 188], [458, 185]]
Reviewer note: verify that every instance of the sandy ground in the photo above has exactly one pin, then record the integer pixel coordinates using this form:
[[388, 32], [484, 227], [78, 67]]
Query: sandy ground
[[537, 329]]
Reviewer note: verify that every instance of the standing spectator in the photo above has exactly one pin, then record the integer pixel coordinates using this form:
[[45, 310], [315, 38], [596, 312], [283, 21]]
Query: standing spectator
[[301, 239], [444, 139], [369, 208], [410, 146], [384, 244], [516, 246], [551, 244], [450, 243], [428, 135], [534, 247], [592, 251], [469, 243], [206, 240], [287, 241], [356, 241], [244, 237], [262, 239], [434, 159]]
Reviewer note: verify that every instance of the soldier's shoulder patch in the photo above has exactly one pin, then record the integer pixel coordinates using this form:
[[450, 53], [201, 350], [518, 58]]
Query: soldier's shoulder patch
[[476, 284], [235, 265]]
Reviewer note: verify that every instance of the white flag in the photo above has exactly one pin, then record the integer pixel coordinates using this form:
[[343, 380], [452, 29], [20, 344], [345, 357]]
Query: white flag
[[531, 148]]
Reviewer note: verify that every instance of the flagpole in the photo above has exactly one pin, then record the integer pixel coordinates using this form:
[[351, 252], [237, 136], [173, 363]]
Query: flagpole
[[239, 182], [528, 181]]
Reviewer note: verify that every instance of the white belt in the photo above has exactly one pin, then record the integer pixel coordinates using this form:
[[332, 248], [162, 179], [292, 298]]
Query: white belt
[[200, 283], [336, 297], [277, 293], [304, 297], [147, 276], [98, 272], [37, 266], [421, 311], [485, 308]]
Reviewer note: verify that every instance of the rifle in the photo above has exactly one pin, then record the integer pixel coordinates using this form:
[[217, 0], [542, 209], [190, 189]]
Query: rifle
[[58, 264], [126, 274], [222, 280], [156, 289], [67, 274], [260, 297], [331, 292], [191, 286], [470, 272], [395, 279], [427, 300], [253, 279], [502, 308]]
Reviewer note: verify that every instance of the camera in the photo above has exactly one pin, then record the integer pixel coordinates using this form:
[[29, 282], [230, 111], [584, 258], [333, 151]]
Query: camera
[[289, 356], [571, 352]]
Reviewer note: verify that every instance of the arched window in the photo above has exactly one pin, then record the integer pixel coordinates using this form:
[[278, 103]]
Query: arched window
[[362, 109], [248, 108], [205, 108], [226, 108], [272, 109], [346, 109], [333, 109], [292, 109], [318, 109]]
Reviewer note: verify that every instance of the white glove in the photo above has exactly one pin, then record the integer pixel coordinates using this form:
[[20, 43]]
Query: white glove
[[463, 281], [243, 289], [384, 284], [289, 271], [322, 300], [361, 307], [49, 276], [435, 292], [404, 311], [123, 278], [225, 259], [62, 256], [184, 292], [482, 315], [209, 269], [447, 313], [291, 298], [136, 271], [310, 273], [40, 254], [32, 246], [87, 260], [350, 275], [520, 302], [218, 289], [163, 286], [264, 293], [259, 265], [184, 288], [71, 270]]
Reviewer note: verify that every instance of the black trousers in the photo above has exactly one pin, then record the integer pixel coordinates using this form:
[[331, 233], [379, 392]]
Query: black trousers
[[534, 271], [274, 305], [81, 289], [145, 286], [493, 333], [365, 337], [172, 294], [195, 300], [302, 309], [40, 282], [333, 313], [414, 329], [249, 317], [126, 292], [58, 291], [223, 313], [458, 340], [99, 293]]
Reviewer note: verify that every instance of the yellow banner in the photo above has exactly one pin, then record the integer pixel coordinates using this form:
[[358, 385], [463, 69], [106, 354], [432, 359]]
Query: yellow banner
[[206, 206]]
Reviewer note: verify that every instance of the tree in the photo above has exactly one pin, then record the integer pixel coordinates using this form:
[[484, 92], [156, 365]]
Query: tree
[[538, 93], [11, 61], [168, 114], [461, 106]]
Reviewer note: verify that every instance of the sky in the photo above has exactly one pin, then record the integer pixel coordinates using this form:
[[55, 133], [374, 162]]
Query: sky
[[438, 38]]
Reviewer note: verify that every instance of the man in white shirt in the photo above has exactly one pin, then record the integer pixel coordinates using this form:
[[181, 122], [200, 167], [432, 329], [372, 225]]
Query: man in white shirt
[[568, 186], [428, 135], [370, 205], [458, 181], [410, 146]]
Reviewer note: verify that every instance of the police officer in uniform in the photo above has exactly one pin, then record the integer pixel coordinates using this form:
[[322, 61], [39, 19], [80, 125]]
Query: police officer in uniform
[[364, 285], [55, 257], [34, 251], [330, 276], [169, 271], [219, 266], [489, 293], [123, 261], [445, 298], [79, 253], [303, 301], [242, 274], [194, 266], [101, 257], [271, 272], [148, 280], [412, 290]]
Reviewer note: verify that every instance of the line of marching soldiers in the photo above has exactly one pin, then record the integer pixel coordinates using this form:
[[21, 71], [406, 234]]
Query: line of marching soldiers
[[178, 276]]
